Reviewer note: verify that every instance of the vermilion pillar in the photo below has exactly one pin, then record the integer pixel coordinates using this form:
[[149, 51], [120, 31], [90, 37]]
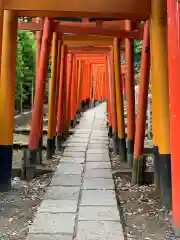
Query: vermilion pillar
[[38, 37], [68, 97], [161, 86], [52, 95], [130, 95], [142, 107], [113, 102], [119, 101], [73, 93], [7, 98], [54, 130], [37, 112], [174, 96], [64, 95], [1, 26], [60, 98]]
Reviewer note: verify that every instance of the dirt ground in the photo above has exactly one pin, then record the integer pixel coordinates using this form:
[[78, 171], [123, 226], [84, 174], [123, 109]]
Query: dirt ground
[[20, 204], [142, 216], [17, 207]]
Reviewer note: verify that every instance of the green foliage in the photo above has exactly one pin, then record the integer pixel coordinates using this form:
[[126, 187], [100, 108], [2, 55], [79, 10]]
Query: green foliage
[[137, 58], [25, 67]]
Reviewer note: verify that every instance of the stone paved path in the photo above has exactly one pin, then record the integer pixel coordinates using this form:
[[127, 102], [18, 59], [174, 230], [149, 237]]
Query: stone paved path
[[80, 203]]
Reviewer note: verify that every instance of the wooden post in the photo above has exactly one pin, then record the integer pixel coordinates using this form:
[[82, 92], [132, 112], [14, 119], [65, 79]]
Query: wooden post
[[160, 81], [38, 37], [1, 27], [129, 85], [73, 94], [113, 102], [7, 97], [69, 81], [174, 97], [37, 113], [138, 165], [119, 101], [60, 99], [51, 105], [57, 92]]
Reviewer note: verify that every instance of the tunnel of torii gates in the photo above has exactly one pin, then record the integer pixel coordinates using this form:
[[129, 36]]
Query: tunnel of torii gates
[[86, 66]]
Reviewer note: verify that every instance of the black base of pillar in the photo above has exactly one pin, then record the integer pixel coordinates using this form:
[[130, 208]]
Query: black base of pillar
[[165, 180], [28, 170], [40, 149], [49, 148], [156, 169], [59, 142], [54, 144], [40, 142], [5, 167], [115, 143], [65, 135], [130, 153], [122, 150], [73, 123], [138, 173], [33, 157], [110, 131]]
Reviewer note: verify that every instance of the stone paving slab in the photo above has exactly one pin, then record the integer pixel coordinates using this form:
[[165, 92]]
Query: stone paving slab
[[76, 144], [58, 206], [99, 138], [98, 183], [99, 230], [78, 140], [49, 237], [62, 193], [98, 198], [97, 158], [49, 223], [74, 160], [99, 141], [96, 165], [99, 173], [75, 149], [80, 135], [97, 145], [66, 180], [98, 213], [69, 168], [74, 154], [98, 150]]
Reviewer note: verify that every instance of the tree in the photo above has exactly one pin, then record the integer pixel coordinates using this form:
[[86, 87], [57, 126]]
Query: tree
[[25, 68]]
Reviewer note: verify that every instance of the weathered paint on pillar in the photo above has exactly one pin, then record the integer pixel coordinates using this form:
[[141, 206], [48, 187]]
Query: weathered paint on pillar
[[7, 98], [160, 81], [174, 97], [37, 112], [119, 101], [52, 96], [142, 108], [130, 95]]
